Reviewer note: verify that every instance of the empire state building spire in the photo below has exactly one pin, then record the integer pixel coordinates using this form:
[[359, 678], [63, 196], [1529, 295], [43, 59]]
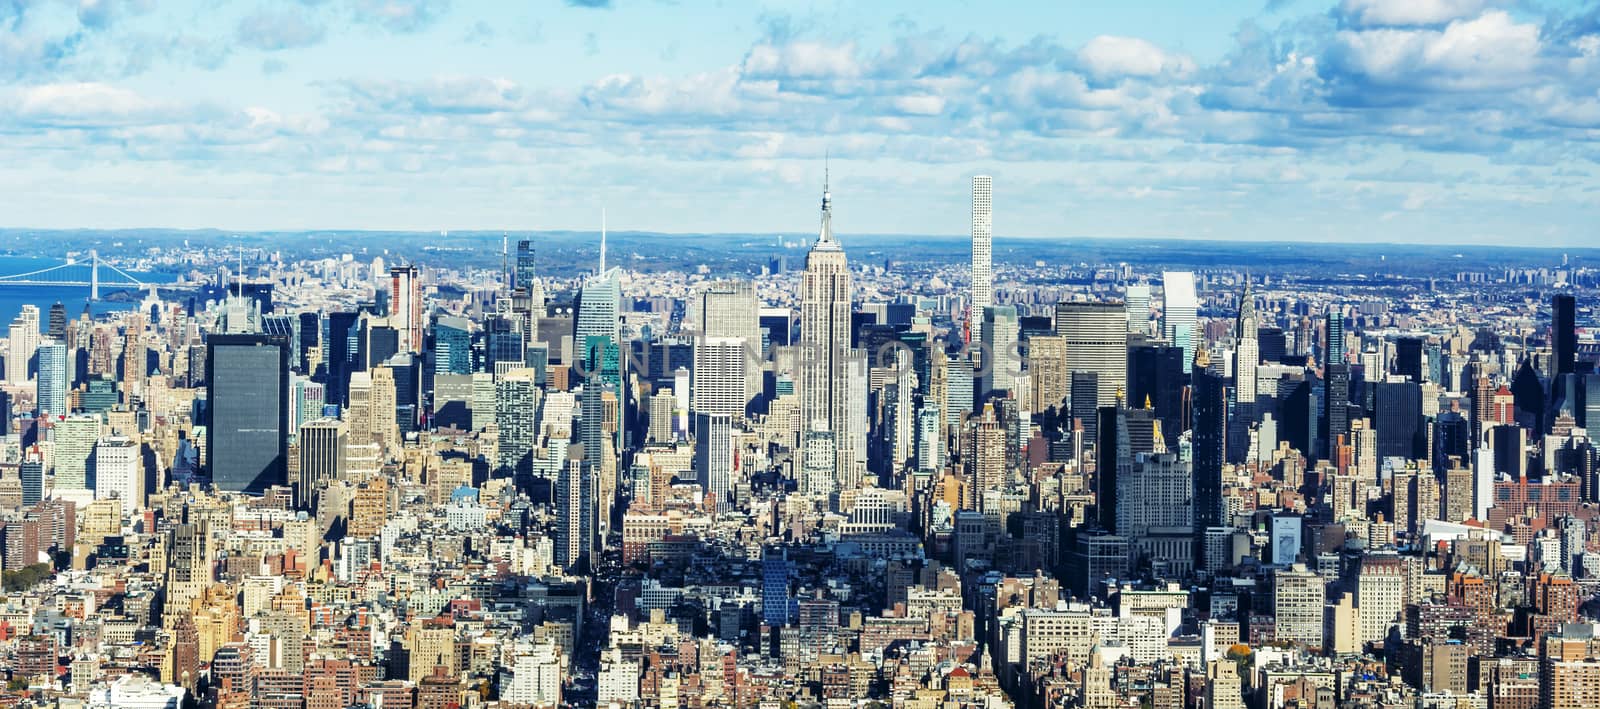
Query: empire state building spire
[[826, 236]]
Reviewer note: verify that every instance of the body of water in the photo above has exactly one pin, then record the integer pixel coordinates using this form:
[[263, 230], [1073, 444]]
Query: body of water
[[13, 297]]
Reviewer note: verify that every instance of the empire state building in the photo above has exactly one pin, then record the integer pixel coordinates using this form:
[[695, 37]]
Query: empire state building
[[832, 374]]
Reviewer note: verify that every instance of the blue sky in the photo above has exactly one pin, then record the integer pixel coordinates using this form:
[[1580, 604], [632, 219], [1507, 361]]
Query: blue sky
[[1442, 121]]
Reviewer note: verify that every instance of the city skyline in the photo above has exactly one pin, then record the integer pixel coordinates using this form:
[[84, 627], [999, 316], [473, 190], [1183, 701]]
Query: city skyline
[[1464, 121]]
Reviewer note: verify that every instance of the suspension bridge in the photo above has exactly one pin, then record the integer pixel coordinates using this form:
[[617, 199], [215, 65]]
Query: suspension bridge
[[77, 273]]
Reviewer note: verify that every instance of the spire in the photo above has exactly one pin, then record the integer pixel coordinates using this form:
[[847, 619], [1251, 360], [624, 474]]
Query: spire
[[826, 236], [602, 270], [1244, 326]]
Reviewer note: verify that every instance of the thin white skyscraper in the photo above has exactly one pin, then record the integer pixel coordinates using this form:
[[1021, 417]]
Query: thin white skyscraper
[[1179, 304], [982, 244], [825, 352]]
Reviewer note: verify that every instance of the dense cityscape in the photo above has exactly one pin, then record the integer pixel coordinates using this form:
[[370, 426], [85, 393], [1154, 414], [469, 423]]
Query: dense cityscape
[[492, 477]]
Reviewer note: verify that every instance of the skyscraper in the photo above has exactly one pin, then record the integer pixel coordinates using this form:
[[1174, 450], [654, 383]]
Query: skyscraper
[[24, 340], [54, 379], [321, 444], [982, 244], [452, 345], [1047, 371], [1564, 335], [575, 525], [1155, 377], [719, 376], [1209, 437], [74, 438], [1398, 418], [1333, 346], [119, 473], [516, 416], [1246, 354], [731, 309], [405, 306], [1001, 365], [247, 394], [596, 331], [825, 352], [1097, 341], [58, 322], [1137, 299], [713, 457], [525, 274], [1179, 305], [32, 474]]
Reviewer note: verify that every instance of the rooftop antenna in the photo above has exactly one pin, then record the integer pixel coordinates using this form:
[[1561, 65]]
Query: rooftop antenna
[[602, 241]]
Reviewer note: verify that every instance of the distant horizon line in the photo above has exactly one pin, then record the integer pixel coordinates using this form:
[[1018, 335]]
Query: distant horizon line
[[498, 233]]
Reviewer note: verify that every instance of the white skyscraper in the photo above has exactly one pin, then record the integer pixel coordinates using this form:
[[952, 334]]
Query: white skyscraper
[[119, 473], [731, 309], [24, 340], [982, 244], [827, 371], [719, 376], [1179, 304]]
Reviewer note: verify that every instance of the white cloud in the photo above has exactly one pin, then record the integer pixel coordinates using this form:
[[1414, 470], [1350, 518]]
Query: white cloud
[[1492, 51], [802, 60], [1374, 13], [1108, 57], [920, 104], [83, 103]]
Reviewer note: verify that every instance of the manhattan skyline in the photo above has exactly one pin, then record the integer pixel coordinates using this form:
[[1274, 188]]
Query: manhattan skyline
[[1439, 122]]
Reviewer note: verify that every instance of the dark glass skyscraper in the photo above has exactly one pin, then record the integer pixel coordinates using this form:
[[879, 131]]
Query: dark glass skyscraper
[[525, 264], [247, 397], [1333, 344], [1209, 439], [1564, 335], [339, 354], [1408, 358], [1155, 375], [1335, 407], [1398, 418]]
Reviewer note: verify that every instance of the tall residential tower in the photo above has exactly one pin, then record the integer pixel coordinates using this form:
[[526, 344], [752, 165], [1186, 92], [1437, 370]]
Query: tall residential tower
[[982, 244]]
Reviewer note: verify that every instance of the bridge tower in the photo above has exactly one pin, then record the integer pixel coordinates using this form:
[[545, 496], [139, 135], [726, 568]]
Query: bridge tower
[[94, 274]]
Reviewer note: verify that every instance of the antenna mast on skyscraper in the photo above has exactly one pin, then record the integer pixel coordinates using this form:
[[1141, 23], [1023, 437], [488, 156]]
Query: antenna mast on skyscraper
[[602, 241]]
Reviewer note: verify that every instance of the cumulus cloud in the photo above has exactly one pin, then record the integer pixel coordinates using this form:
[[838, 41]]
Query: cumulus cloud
[[1376, 13], [273, 30], [1491, 51], [1299, 105], [1107, 57], [802, 60]]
